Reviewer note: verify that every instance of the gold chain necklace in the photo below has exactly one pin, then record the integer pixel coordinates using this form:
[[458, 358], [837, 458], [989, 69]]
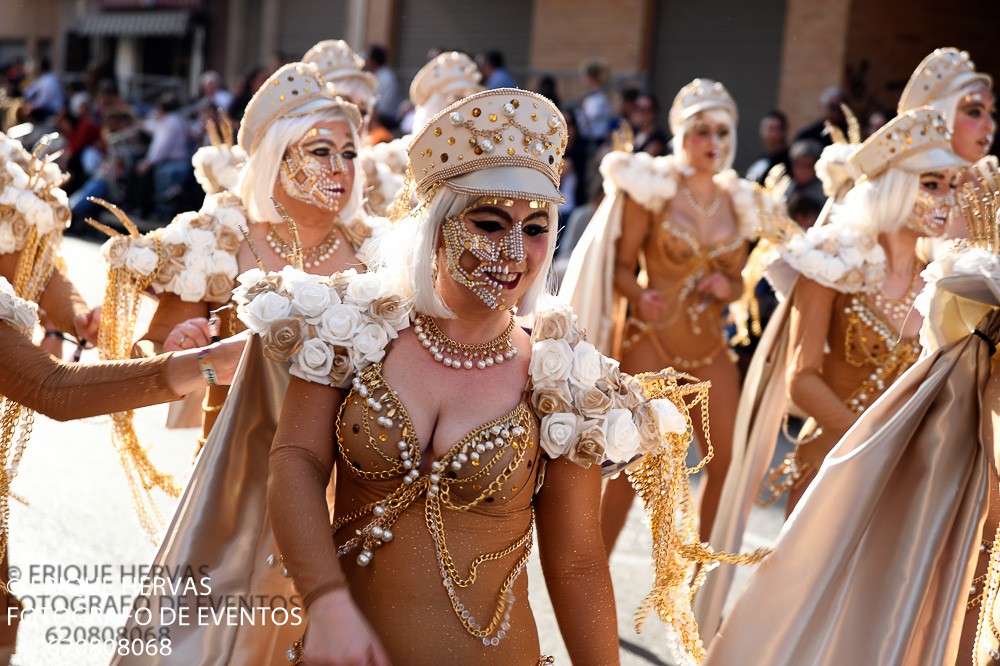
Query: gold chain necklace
[[459, 355], [704, 211], [311, 257]]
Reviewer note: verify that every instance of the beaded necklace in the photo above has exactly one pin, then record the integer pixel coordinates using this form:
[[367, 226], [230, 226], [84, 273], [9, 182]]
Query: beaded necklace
[[311, 257], [459, 355]]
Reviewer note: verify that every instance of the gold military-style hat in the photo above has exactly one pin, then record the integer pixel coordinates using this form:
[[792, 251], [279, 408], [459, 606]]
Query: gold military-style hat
[[942, 73], [916, 141], [295, 90], [697, 96], [448, 72], [506, 141], [338, 62]]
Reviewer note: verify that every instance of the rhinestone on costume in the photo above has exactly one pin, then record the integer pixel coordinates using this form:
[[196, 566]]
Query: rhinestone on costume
[[455, 117], [553, 122], [486, 145], [509, 109]]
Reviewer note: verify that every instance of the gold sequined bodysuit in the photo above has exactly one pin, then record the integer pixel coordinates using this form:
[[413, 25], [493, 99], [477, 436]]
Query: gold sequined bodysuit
[[693, 331], [434, 551]]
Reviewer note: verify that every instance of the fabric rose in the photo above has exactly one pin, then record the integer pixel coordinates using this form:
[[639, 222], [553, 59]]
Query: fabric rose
[[591, 445], [649, 429], [201, 221], [230, 217], [832, 269], [976, 261], [7, 212], [310, 298], [587, 366], [218, 288], [669, 419], [592, 403], [313, 362], [557, 433], [190, 285], [114, 251], [200, 240], [369, 345], [343, 278], [20, 226], [223, 262], [629, 395], [142, 260], [363, 289], [853, 279], [167, 271], [610, 375], [338, 324], [227, 240], [622, 436], [357, 231], [283, 338], [551, 361], [264, 309], [392, 311], [199, 261], [555, 324], [250, 277], [343, 369], [175, 232], [551, 398]]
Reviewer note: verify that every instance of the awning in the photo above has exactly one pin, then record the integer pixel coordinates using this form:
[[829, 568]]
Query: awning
[[146, 23]]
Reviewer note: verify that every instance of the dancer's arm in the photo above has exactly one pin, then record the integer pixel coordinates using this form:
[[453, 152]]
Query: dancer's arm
[[65, 391], [636, 224], [811, 317], [574, 562], [170, 312], [302, 459]]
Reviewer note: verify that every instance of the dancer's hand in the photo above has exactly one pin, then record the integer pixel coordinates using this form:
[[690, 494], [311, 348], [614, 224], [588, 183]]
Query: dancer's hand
[[339, 635], [225, 356], [717, 286], [88, 325], [651, 306], [189, 334]]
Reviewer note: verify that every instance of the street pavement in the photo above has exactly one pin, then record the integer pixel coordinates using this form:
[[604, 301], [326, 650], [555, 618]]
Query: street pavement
[[77, 540]]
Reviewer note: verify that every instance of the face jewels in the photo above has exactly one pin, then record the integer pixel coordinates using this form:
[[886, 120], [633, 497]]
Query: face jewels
[[930, 213], [311, 178], [494, 256]]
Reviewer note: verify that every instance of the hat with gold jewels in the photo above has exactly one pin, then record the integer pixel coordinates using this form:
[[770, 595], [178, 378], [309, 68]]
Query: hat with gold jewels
[[506, 141], [942, 73], [448, 72], [337, 62], [295, 90], [697, 96], [917, 141]]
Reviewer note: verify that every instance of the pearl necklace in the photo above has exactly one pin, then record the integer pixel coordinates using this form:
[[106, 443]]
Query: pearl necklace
[[705, 211], [896, 310], [459, 355], [312, 257]]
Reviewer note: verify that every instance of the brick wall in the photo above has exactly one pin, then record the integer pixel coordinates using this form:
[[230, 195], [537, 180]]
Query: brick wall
[[813, 56]]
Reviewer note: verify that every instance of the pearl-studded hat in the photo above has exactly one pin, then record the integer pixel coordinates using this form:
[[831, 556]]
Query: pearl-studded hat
[[697, 96], [447, 72], [507, 142], [296, 89], [942, 73], [917, 141], [337, 62]]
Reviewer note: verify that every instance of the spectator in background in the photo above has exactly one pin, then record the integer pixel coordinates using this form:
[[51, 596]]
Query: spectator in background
[[83, 141], [45, 94], [387, 95], [167, 163], [493, 67], [14, 73], [876, 119], [804, 209], [213, 95], [803, 155], [547, 88], [595, 112], [252, 80], [650, 136], [830, 100], [774, 137]]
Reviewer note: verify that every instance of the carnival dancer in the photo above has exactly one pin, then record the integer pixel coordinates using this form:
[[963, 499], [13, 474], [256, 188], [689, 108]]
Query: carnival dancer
[[344, 70], [851, 331], [685, 219], [877, 562], [455, 436], [302, 141]]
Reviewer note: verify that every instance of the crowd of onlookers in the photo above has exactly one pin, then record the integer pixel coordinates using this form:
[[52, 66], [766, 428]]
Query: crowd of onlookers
[[139, 153]]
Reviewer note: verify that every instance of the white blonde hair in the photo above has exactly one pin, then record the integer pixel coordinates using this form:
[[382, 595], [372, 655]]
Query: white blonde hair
[[718, 114], [257, 180], [410, 249], [880, 205]]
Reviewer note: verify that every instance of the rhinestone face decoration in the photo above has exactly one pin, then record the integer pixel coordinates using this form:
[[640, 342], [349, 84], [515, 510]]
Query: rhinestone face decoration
[[492, 255], [314, 179], [930, 213]]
